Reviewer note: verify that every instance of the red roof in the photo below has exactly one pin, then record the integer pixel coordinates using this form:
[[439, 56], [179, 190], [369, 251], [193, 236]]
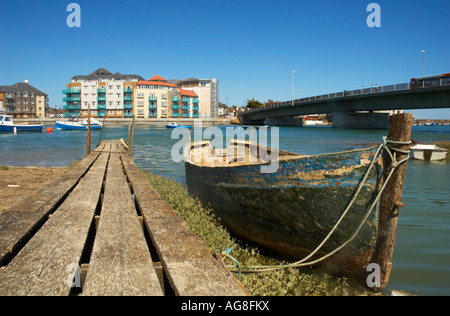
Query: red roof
[[157, 78], [188, 93], [157, 83]]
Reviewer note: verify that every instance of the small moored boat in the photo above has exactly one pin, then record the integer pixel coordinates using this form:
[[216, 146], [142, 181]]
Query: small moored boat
[[428, 152], [7, 126], [74, 124], [175, 125]]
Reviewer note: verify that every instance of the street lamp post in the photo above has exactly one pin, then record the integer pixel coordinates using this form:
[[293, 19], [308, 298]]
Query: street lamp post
[[423, 64], [292, 99]]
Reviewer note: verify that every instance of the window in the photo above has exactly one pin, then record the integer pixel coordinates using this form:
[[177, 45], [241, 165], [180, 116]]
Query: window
[[118, 86], [140, 103], [164, 96], [140, 112]]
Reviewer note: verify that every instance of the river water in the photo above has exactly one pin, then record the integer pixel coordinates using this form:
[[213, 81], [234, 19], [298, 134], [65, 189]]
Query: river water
[[421, 263]]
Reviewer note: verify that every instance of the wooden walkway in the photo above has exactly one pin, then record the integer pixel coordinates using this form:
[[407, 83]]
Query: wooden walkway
[[102, 229]]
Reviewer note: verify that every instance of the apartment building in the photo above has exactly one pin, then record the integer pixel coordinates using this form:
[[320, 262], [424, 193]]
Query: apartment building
[[207, 91], [117, 95], [22, 100], [158, 98], [107, 94]]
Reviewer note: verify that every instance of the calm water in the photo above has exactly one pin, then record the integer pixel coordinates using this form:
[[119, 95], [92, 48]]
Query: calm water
[[422, 253]]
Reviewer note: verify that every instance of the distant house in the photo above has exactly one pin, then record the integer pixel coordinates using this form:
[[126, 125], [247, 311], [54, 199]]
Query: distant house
[[22, 100], [223, 109]]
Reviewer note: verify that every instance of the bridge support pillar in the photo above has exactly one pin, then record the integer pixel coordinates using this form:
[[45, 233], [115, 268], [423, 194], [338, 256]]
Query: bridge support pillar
[[360, 120], [284, 121]]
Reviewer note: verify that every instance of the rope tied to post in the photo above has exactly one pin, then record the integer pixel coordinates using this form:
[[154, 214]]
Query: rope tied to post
[[392, 154]]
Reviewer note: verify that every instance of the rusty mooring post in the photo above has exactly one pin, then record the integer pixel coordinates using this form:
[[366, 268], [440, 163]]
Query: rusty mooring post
[[390, 201]]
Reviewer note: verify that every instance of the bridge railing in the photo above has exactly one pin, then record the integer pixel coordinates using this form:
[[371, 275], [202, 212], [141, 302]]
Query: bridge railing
[[345, 93]]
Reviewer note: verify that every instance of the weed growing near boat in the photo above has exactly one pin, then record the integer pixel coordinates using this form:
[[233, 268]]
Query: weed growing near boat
[[202, 221]]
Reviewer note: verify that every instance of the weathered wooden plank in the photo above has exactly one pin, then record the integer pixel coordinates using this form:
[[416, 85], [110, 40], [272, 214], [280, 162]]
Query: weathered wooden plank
[[188, 264], [120, 261], [19, 221], [40, 268]]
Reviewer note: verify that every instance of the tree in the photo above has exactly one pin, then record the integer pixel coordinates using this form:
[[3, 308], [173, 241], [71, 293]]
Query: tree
[[253, 104]]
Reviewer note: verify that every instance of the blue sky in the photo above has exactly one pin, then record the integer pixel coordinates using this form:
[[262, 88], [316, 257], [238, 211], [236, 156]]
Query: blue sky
[[251, 46]]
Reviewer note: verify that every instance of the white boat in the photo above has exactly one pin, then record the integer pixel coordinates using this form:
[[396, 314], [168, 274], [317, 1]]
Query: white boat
[[428, 152], [75, 124]]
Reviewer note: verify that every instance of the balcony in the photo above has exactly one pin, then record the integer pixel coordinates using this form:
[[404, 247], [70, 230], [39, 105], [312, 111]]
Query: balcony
[[186, 107], [128, 106], [175, 106], [10, 96], [101, 90], [128, 114], [176, 99], [71, 99], [128, 98], [186, 115], [101, 114], [186, 100], [152, 115], [128, 90], [196, 115], [195, 108], [175, 114], [153, 106], [101, 106], [195, 101], [71, 90], [101, 98], [152, 98]]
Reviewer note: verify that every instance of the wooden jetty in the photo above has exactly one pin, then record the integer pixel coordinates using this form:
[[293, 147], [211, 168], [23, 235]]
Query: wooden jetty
[[102, 229]]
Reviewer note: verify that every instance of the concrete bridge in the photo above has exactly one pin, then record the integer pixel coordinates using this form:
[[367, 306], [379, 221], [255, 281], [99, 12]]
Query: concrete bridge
[[353, 109]]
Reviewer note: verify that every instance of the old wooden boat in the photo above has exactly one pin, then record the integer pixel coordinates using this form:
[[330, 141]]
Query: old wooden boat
[[293, 210]]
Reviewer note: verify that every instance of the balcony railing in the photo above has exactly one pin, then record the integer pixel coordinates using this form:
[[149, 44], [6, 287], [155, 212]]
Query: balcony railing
[[186, 107], [101, 98], [128, 106], [153, 106], [195, 108], [128, 90], [152, 114], [101, 90], [101, 106], [195, 115], [128, 114], [71, 99], [71, 90], [128, 98], [176, 99], [186, 115], [175, 114], [186, 100], [175, 106], [195, 101], [152, 98]]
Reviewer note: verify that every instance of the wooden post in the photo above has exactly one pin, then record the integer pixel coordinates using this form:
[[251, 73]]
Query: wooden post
[[89, 130], [390, 201], [132, 136]]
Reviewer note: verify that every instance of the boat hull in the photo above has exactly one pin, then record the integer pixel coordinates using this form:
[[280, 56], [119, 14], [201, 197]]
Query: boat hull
[[69, 127], [292, 210], [20, 128], [176, 126], [428, 153]]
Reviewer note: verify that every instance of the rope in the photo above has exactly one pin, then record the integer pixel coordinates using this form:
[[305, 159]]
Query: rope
[[394, 164]]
